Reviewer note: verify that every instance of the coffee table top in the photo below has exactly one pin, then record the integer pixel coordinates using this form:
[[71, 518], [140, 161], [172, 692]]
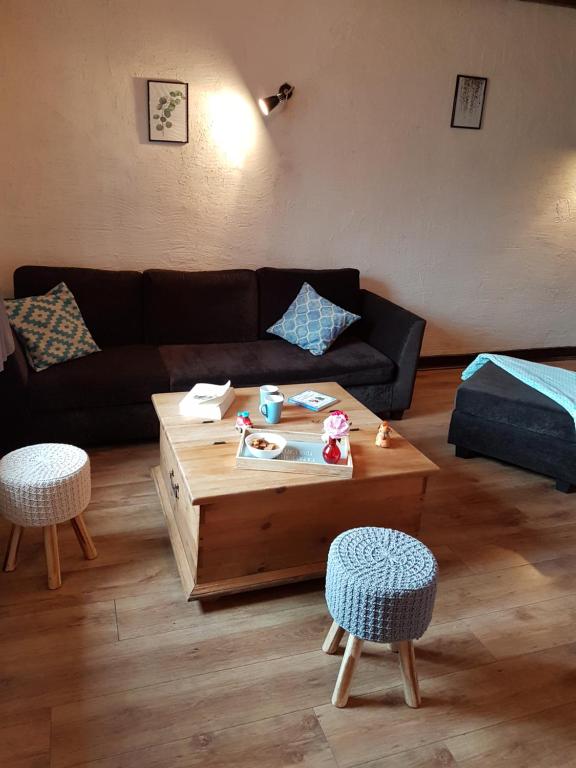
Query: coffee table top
[[209, 469]]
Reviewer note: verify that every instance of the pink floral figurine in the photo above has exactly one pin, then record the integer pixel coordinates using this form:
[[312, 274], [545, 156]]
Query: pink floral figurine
[[336, 426]]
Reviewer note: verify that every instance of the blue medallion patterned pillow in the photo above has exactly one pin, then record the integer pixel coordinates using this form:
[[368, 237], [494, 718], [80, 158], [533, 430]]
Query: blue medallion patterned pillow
[[51, 327], [312, 322]]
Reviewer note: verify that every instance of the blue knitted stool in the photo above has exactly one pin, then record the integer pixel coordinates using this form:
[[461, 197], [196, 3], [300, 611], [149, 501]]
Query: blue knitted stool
[[380, 586]]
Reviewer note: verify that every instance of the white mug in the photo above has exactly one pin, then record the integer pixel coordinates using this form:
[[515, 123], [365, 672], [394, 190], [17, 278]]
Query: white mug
[[268, 389]]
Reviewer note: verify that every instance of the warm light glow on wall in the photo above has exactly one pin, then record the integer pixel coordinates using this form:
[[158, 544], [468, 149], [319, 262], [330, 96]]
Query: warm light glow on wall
[[232, 125]]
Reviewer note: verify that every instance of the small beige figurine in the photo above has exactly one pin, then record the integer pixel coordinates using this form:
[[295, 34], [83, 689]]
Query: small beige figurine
[[383, 437]]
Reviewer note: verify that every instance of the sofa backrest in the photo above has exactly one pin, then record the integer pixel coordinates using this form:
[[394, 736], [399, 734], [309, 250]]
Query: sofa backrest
[[111, 301], [164, 306], [277, 289], [200, 307]]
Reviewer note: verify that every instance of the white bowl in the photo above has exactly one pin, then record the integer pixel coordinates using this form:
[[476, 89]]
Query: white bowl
[[271, 437]]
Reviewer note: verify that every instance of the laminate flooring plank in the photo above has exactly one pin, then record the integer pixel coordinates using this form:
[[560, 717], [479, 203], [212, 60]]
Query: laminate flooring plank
[[545, 738], [453, 705], [110, 725], [436, 755], [87, 672], [35, 627], [89, 729], [527, 628], [278, 742], [488, 592], [130, 567], [158, 612], [26, 744]]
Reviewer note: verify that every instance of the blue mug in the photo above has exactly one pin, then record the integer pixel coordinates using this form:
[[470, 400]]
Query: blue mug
[[271, 408]]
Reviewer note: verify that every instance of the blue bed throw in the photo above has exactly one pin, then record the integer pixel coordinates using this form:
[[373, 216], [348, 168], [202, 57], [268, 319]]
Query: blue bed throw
[[556, 383]]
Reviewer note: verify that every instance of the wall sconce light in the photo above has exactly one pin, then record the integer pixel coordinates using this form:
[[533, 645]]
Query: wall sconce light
[[271, 102]]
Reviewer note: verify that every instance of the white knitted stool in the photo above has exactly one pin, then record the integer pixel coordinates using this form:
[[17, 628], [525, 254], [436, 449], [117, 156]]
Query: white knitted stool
[[41, 486]]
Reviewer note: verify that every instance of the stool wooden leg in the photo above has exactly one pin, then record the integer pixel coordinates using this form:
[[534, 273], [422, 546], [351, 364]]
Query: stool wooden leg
[[84, 538], [351, 656], [52, 556], [333, 638], [409, 675], [12, 551]]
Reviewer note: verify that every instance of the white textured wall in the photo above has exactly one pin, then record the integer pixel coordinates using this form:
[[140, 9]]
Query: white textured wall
[[475, 230]]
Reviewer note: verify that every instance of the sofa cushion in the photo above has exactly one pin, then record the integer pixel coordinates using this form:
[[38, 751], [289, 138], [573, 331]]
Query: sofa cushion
[[200, 307], [277, 289], [115, 376], [312, 322], [349, 362], [51, 327], [494, 395], [110, 301]]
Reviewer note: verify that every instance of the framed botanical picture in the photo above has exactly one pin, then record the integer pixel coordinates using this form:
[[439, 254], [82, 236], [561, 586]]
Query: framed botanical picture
[[469, 102], [168, 111]]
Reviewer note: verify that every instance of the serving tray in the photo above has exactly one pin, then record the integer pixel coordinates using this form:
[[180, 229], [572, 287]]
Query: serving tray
[[302, 455]]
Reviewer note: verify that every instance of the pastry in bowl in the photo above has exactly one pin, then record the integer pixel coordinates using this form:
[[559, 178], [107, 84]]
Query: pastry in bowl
[[265, 445]]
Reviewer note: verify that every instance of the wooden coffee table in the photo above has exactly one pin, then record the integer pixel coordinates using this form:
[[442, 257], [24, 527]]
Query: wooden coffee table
[[234, 530]]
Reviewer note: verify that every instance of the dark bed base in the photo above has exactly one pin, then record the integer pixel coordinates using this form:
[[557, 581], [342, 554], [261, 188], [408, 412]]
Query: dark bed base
[[474, 436], [466, 453]]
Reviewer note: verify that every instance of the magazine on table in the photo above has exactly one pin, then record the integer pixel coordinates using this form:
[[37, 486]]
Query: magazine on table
[[314, 401]]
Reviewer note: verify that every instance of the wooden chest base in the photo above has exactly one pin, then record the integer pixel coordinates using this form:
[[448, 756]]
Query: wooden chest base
[[253, 540]]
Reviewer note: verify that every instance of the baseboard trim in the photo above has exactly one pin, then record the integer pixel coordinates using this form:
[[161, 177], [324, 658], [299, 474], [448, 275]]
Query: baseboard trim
[[537, 355]]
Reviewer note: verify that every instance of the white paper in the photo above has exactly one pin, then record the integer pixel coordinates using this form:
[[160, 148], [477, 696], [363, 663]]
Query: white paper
[[212, 408], [205, 393]]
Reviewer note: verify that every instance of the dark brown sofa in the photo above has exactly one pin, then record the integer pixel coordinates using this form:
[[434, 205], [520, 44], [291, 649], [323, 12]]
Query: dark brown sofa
[[165, 330]]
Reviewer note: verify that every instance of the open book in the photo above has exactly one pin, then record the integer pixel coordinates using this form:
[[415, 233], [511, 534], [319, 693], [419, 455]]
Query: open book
[[208, 402]]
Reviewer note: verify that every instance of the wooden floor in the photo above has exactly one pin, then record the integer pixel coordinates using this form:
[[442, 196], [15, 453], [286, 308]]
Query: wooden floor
[[116, 670]]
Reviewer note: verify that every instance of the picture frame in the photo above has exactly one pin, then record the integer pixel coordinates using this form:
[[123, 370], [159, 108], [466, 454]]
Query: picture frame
[[168, 111], [469, 98]]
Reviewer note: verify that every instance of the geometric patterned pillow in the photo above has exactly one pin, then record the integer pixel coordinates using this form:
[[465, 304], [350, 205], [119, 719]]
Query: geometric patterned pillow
[[312, 322], [51, 327]]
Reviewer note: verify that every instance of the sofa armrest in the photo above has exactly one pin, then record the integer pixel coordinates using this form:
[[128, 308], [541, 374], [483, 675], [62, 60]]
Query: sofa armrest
[[13, 399], [16, 366], [397, 333]]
